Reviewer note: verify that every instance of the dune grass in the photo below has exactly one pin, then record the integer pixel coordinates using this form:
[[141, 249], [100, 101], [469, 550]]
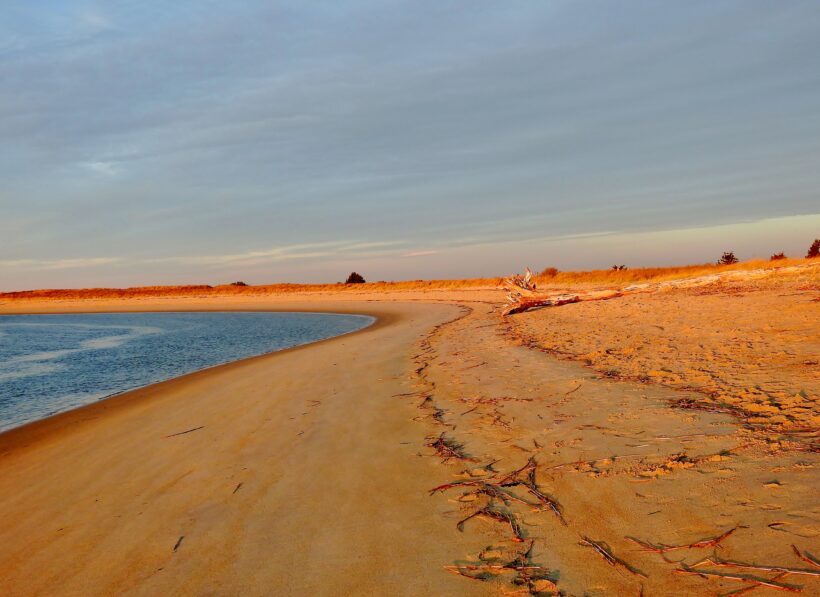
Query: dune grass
[[603, 277]]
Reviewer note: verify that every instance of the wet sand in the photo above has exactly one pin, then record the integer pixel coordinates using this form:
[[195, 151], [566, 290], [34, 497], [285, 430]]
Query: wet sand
[[309, 472]]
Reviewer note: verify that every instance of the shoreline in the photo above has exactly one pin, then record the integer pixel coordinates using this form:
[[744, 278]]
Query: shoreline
[[145, 441], [146, 387], [123, 400]]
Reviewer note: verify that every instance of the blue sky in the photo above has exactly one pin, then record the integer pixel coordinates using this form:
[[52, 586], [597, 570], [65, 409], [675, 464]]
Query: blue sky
[[146, 142]]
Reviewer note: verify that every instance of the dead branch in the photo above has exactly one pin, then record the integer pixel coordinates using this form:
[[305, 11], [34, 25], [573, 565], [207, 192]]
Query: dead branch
[[716, 561], [534, 578], [762, 582], [806, 557], [449, 449], [606, 553], [494, 513], [526, 477], [663, 548]]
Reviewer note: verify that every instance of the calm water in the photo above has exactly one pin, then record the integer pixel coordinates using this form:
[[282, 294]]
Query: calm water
[[52, 363]]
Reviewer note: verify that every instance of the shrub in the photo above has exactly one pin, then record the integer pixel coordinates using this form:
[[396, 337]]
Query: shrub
[[728, 258], [814, 249], [355, 278], [238, 284], [777, 256], [618, 268], [549, 272]]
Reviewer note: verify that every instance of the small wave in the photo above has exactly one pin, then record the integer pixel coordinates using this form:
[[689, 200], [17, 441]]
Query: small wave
[[31, 370], [118, 340], [16, 367]]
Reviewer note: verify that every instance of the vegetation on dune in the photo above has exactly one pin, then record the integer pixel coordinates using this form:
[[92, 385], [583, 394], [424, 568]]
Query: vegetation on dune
[[777, 256], [728, 258], [355, 278], [814, 249], [550, 277]]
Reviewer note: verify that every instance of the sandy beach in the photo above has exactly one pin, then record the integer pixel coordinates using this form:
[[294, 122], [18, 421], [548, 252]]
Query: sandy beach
[[445, 450]]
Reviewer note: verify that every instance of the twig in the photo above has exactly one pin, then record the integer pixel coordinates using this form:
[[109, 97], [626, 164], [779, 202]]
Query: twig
[[663, 548], [763, 582], [529, 481], [806, 557], [575, 389], [494, 513], [606, 553], [178, 543], [448, 449], [716, 561], [186, 431]]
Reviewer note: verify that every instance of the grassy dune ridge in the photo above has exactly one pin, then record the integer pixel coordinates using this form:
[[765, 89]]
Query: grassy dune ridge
[[570, 278]]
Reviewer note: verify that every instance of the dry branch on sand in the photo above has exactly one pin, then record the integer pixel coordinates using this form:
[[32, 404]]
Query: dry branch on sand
[[806, 557], [495, 487], [702, 543], [526, 477], [721, 563], [493, 512], [535, 579], [714, 561], [753, 580], [449, 449], [606, 553]]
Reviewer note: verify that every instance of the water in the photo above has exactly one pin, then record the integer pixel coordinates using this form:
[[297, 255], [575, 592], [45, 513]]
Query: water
[[53, 363]]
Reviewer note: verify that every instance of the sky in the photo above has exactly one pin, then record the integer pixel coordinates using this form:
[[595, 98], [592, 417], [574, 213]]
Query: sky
[[165, 142]]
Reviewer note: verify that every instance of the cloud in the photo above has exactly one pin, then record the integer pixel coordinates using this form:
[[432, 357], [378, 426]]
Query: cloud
[[420, 253], [58, 264], [96, 20], [102, 168], [286, 253], [249, 133]]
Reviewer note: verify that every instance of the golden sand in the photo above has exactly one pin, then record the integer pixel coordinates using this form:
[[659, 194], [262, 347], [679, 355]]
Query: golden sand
[[443, 451]]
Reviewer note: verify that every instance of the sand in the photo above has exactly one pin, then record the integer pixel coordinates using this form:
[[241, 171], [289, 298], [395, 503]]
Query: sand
[[309, 472]]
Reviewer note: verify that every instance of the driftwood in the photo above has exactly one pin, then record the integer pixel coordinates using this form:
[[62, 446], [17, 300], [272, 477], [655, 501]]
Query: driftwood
[[522, 294]]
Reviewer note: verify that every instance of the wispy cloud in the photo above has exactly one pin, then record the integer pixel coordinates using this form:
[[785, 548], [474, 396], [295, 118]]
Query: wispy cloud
[[185, 139], [102, 168], [419, 253], [287, 253], [57, 264]]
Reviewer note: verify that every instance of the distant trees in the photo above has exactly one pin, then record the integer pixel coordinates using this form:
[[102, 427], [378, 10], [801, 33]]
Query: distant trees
[[618, 268], [549, 272], [728, 258], [238, 284], [814, 249], [777, 256], [355, 278]]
